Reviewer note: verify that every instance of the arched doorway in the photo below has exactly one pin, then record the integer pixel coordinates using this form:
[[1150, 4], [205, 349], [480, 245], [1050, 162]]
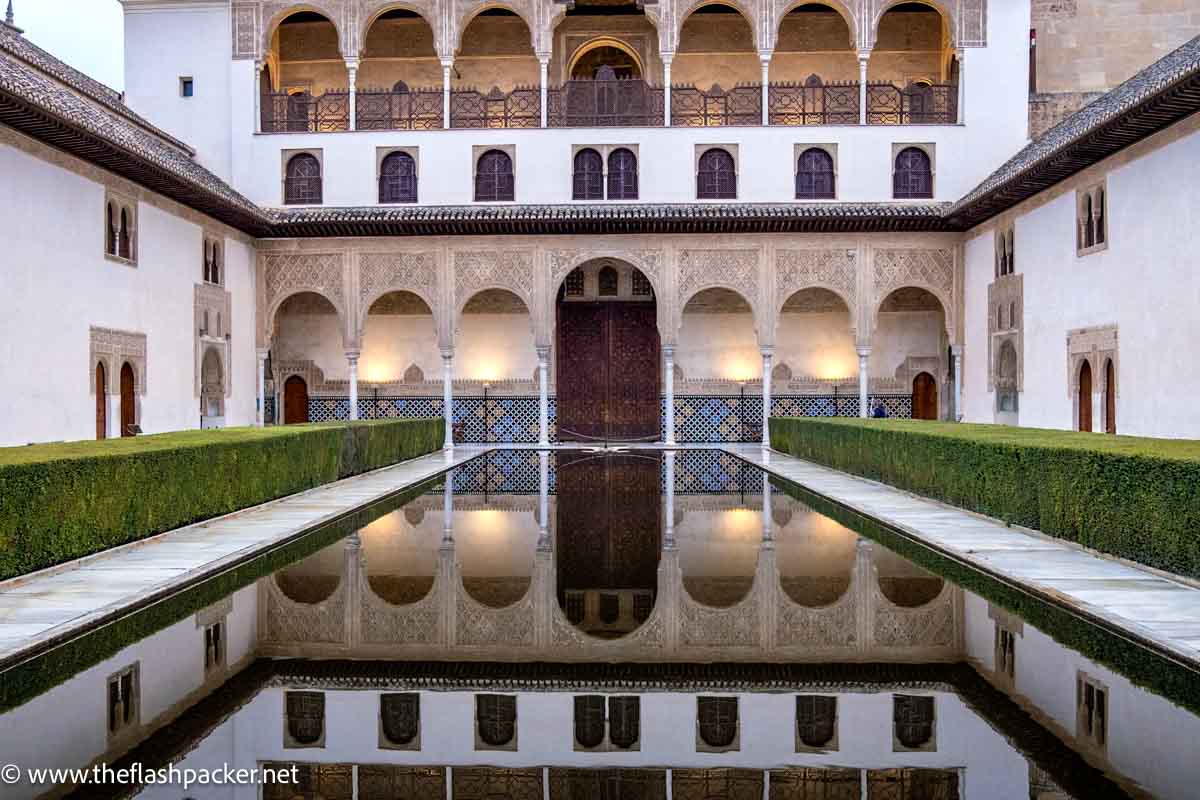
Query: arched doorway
[[607, 354], [924, 397], [614, 57], [128, 413], [1085, 396], [1110, 397], [295, 400], [212, 385], [101, 402]]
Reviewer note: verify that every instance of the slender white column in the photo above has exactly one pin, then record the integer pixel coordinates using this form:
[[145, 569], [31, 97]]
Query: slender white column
[[352, 357], [863, 57], [352, 75], [447, 65], [669, 390], [767, 353], [864, 356], [258, 68], [666, 59], [448, 396], [544, 72], [765, 58], [543, 356], [260, 416], [962, 86], [669, 502], [956, 351]]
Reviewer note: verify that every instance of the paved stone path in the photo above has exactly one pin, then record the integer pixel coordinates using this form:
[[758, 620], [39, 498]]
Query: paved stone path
[[62, 601], [1164, 611]]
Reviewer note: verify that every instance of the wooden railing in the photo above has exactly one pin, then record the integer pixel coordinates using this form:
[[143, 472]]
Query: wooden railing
[[618, 102]]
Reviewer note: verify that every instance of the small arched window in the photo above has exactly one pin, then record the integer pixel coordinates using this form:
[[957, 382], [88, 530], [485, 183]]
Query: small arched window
[[814, 175], [1100, 232], [716, 177], [622, 175], [913, 178], [717, 718], [1011, 251], [400, 717], [589, 720], [624, 721], [302, 182], [589, 176], [110, 230], [398, 179], [400, 87], [494, 177], [1012, 315], [496, 718], [1089, 223], [816, 719], [306, 717], [913, 719], [124, 240], [607, 282]]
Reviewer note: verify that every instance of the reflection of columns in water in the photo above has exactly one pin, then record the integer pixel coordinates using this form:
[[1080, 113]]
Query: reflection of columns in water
[[767, 535], [864, 588], [448, 396], [669, 502], [448, 511], [543, 542]]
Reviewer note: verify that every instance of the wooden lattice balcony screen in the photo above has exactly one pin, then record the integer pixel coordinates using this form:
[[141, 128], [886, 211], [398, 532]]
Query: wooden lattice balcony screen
[[611, 103], [391, 110], [813, 103], [520, 108], [306, 113], [888, 104], [717, 107]]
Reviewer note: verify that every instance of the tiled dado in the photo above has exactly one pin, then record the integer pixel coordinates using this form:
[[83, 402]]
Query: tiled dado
[[699, 419]]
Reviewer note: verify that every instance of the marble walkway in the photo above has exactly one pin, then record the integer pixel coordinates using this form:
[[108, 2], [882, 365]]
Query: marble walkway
[[1144, 602], [54, 604]]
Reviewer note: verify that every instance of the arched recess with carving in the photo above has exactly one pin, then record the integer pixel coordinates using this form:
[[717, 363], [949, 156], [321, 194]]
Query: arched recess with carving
[[815, 334], [398, 332], [782, 8], [314, 579], [648, 262], [727, 27], [947, 9], [371, 12], [416, 273], [283, 274], [275, 14], [931, 270], [735, 270], [834, 270], [469, 11]]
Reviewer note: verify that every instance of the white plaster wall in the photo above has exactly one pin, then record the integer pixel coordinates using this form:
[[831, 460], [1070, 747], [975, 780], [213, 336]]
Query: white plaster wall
[[1150, 740], [58, 284], [1145, 283], [718, 346], [68, 726], [391, 343], [816, 345], [166, 41]]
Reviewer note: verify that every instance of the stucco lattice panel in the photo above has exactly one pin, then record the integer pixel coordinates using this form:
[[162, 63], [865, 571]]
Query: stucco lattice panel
[[1007, 292], [418, 623], [475, 271], [114, 348], [729, 269], [833, 626], [737, 626], [650, 635], [285, 274], [1097, 345], [931, 625], [836, 270], [932, 270], [379, 273], [289, 622], [481, 626], [245, 29]]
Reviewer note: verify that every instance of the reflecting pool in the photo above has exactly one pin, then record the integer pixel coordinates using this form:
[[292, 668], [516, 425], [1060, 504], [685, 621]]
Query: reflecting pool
[[610, 625]]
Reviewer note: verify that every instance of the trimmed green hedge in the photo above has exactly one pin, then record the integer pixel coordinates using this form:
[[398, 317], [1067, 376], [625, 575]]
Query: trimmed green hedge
[[1134, 498], [63, 501]]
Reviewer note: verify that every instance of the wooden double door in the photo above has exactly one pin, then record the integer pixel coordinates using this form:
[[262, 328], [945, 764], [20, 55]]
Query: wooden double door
[[608, 372]]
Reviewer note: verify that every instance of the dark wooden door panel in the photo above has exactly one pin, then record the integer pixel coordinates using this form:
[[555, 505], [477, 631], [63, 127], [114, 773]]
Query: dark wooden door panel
[[633, 404], [295, 401], [582, 371]]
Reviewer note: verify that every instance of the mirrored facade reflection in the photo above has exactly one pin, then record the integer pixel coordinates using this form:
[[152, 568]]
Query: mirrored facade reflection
[[640, 624]]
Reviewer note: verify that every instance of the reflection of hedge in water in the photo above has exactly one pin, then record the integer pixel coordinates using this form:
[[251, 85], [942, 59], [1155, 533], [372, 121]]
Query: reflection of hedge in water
[[41, 673], [1143, 667], [1040, 746]]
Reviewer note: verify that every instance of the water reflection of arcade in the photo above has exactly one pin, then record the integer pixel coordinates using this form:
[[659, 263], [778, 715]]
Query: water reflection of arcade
[[608, 540]]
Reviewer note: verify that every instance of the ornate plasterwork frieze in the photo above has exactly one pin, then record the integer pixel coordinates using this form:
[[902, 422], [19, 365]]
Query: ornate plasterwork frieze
[[932, 270], [729, 269], [833, 269], [288, 273], [477, 270], [380, 273], [114, 348], [1097, 345], [1006, 313], [213, 321]]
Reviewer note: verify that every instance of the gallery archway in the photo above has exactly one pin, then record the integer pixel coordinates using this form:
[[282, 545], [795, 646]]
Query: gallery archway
[[607, 347]]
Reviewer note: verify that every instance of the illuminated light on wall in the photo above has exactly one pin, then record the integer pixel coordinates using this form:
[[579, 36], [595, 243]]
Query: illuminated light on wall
[[739, 369]]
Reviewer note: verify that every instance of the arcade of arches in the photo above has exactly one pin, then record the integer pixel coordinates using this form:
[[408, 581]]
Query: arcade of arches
[[666, 340]]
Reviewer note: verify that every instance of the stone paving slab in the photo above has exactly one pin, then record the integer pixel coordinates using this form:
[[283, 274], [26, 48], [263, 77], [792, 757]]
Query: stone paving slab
[[1141, 601], [63, 600]]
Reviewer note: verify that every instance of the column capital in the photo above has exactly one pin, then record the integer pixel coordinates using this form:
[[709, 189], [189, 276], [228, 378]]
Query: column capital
[[543, 352], [956, 350], [863, 351], [447, 353], [667, 57], [764, 56], [543, 59], [767, 351], [864, 56], [447, 62], [352, 355], [352, 63], [668, 350], [262, 353]]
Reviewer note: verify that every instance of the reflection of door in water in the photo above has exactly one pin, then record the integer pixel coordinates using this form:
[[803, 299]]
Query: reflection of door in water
[[924, 397], [128, 417], [1085, 396], [101, 403], [295, 400], [608, 375]]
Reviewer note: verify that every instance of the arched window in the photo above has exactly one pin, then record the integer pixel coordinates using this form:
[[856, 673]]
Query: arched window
[[302, 183], [716, 177], [306, 717], [914, 175], [718, 720], [816, 719], [1089, 223], [1100, 232], [494, 177], [913, 719], [622, 175], [624, 721], [814, 175], [573, 285], [1012, 315], [1110, 397], [400, 717], [589, 720], [607, 281], [1085, 396], [207, 261], [1010, 250], [400, 87], [398, 179], [124, 246], [496, 718], [110, 231], [589, 176]]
